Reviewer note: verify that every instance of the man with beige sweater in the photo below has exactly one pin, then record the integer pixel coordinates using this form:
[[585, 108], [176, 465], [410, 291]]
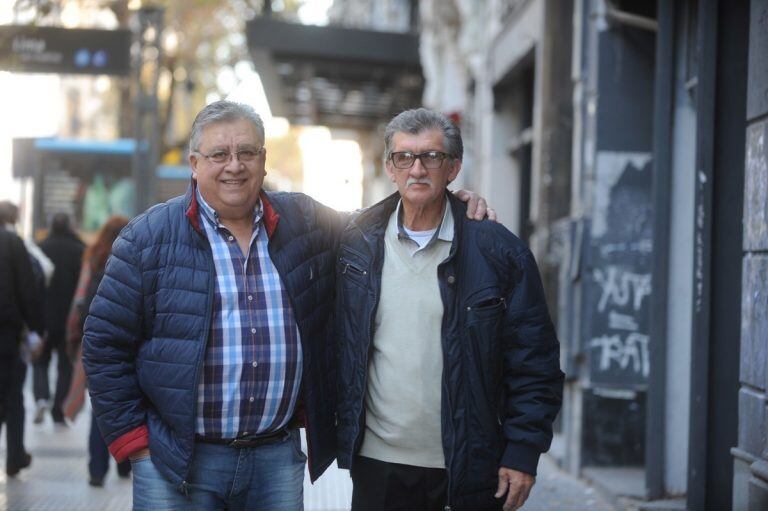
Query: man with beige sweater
[[449, 376]]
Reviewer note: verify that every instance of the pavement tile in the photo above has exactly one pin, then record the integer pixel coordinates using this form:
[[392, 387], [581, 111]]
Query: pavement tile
[[58, 478]]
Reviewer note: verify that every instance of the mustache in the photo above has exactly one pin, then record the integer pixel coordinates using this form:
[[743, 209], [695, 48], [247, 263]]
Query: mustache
[[419, 181]]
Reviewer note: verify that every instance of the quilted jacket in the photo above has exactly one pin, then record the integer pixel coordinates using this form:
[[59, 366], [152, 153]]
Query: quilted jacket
[[145, 336], [502, 384]]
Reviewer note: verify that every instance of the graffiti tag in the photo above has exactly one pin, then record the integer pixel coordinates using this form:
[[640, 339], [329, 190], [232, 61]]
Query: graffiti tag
[[631, 352], [621, 287]]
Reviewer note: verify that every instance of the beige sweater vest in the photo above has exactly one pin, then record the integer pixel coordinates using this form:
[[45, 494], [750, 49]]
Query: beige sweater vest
[[405, 369]]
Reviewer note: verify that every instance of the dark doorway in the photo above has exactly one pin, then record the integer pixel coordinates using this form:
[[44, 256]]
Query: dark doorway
[[715, 369]]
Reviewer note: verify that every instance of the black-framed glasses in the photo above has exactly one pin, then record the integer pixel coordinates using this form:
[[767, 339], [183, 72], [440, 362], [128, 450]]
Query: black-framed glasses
[[429, 160], [243, 155]]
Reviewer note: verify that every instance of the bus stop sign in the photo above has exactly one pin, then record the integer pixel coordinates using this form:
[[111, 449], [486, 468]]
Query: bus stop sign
[[65, 50]]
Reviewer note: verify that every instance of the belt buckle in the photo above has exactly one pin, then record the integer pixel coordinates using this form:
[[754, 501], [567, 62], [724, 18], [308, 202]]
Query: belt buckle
[[277, 436], [238, 443]]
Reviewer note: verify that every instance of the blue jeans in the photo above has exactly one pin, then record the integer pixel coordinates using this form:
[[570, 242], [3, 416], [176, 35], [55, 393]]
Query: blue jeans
[[267, 478]]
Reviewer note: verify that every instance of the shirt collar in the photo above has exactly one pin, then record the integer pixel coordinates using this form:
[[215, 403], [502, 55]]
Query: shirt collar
[[212, 217], [444, 231]]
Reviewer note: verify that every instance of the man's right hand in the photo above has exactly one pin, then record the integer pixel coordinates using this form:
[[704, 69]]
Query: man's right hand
[[516, 486], [139, 454]]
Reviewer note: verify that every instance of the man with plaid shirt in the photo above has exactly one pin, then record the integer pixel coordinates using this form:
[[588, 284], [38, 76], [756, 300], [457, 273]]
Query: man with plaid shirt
[[209, 340]]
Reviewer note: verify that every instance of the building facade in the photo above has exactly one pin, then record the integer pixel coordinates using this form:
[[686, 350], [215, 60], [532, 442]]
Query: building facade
[[750, 487], [626, 143]]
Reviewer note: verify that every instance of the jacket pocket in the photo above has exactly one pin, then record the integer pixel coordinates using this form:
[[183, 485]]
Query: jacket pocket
[[351, 268], [485, 305], [484, 357]]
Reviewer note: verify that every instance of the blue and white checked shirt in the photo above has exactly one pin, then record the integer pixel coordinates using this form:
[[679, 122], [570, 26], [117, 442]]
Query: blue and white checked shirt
[[252, 368]]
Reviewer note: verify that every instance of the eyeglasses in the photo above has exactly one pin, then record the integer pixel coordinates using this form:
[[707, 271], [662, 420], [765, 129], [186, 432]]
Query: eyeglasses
[[429, 160], [243, 155]]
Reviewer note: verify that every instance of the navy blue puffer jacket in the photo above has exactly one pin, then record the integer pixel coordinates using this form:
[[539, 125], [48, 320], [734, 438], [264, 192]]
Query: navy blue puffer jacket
[[149, 323], [502, 384]]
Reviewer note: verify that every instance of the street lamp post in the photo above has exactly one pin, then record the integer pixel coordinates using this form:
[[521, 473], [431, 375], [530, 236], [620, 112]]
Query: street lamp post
[[147, 58]]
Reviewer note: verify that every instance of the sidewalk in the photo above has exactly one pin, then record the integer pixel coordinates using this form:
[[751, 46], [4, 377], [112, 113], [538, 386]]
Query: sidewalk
[[556, 490], [58, 478]]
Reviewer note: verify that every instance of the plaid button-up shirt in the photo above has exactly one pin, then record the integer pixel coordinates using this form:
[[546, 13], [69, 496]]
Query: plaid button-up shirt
[[252, 369]]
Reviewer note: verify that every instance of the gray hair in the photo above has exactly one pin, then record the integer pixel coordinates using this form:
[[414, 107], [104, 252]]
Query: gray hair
[[422, 119], [223, 111]]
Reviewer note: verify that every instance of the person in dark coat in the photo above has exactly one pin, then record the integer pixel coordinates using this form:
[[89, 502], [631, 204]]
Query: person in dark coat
[[19, 308], [94, 261], [65, 250], [448, 363]]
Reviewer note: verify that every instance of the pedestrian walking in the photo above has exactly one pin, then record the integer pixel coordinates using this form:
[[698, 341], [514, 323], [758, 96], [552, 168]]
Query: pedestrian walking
[[93, 262], [449, 376], [65, 249], [20, 308], [209, 340]]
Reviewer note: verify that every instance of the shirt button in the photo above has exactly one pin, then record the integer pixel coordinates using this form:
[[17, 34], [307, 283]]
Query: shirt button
[[250, 298], [250, 399], [230, 238], [254, 364], [253, 330]]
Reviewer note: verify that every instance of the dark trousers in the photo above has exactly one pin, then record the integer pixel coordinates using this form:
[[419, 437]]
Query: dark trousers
[[13, 371], [41, 387], [6, 376], [9, 353], [383, 486], [98, 462]]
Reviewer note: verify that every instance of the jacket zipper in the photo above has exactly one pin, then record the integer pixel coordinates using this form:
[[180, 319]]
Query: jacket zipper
[[184, 487], [449, 422], [365, 365], [376, 282], [453, 436], [351, 268]]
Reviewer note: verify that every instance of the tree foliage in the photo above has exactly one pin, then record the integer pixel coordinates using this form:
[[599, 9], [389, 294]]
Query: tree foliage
[[203, 40]]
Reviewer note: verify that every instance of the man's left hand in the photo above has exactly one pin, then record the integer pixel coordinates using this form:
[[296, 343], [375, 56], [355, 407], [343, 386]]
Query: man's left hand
[[516, 485], [35, 344], [477, 208]]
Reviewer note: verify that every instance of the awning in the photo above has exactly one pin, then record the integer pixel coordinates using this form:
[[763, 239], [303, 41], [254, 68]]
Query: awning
[[333, 76]]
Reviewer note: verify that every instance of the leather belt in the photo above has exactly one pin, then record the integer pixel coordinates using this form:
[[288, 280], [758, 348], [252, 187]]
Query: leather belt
[[247, 441]]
